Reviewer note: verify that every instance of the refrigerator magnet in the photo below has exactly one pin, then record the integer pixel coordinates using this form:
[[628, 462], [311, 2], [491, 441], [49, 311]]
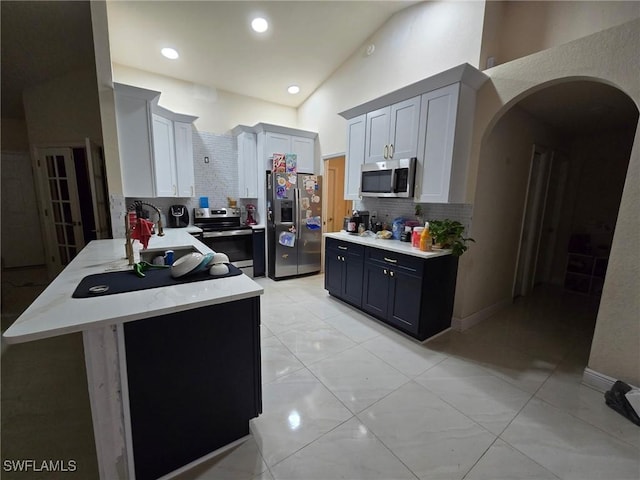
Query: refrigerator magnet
[[314, 223], [279, 163], [291, 160], [287, 239]]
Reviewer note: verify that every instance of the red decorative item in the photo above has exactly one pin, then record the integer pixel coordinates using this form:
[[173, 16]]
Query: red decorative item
[[142, 231]]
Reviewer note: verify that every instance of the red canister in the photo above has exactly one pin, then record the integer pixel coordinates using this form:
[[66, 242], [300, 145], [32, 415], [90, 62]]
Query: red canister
[[415, 237]]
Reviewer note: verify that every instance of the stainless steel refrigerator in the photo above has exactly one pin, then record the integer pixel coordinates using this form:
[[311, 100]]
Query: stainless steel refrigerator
[[294, 224]]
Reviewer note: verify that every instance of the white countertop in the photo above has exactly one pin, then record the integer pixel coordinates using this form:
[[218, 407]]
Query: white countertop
[[391, 245], [55, 312]]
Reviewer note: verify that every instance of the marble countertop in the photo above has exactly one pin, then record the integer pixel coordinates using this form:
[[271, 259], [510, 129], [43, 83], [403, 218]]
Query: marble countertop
[[55, 312], [391, 245]]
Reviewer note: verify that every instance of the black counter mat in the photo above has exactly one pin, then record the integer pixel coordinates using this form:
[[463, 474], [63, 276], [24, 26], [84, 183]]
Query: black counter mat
[[128, 281]]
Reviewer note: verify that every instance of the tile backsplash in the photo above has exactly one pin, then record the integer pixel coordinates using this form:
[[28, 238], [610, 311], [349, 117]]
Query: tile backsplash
[[216, 179], [390, 208]]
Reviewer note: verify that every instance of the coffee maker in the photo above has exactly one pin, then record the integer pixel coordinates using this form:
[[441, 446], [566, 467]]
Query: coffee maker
[[178, 216]]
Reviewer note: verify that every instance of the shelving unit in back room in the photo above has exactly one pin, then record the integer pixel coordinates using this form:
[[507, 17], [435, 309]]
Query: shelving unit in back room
[[585, 273]]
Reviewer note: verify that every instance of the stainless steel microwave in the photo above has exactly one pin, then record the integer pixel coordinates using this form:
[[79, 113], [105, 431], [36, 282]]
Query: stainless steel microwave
[[391, 178]]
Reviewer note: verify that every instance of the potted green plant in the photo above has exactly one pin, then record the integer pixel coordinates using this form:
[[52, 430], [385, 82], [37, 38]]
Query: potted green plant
[[449, 234]]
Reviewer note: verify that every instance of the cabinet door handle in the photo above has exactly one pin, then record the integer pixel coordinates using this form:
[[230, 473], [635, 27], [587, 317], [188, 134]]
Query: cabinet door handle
[[175, 190], [391, 272], [343, 259], [391, 151], [193, 193], [386, 151], [384, 270], [342, 248], [390, 260]]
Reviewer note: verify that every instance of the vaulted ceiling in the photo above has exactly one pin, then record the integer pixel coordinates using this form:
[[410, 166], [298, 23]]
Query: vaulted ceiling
[[307, 42]]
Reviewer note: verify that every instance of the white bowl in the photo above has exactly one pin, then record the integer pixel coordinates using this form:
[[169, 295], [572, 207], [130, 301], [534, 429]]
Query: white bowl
[[206, 261], [186, 264], [219, 269], [219, 258]]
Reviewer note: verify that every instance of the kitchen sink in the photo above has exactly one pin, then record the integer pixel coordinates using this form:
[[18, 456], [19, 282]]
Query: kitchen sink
[[149, 254]]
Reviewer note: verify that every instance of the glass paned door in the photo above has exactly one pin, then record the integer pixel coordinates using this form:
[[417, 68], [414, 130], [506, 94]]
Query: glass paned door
[[64, 218]]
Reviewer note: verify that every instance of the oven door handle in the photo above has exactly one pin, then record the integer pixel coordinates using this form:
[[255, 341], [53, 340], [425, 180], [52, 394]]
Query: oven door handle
[[227, 233]]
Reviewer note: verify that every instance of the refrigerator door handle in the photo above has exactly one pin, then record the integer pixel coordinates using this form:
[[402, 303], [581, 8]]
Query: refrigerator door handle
[[296, 212]]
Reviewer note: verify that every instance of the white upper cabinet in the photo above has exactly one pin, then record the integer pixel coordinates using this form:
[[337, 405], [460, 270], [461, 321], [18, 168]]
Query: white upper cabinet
[[404, 128], [247, 165], [164, 155], [277, 143], [355, 156], [431, 120], [303, 147], [446, 121], [392, 132], [155, 145], [185, 177], [377, 135]]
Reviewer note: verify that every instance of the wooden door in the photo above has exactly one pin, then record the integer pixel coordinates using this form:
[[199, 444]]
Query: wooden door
[[99, 195], [337, 206]]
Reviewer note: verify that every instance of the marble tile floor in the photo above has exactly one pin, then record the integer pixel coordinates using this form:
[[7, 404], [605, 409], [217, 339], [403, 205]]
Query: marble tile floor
[[346, 397]]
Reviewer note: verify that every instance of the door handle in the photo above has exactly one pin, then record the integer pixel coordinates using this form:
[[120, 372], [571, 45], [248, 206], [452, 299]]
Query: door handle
[[384, 270], [391, 151], [342, 248], [391, 272], [390, 260], [386, 151]]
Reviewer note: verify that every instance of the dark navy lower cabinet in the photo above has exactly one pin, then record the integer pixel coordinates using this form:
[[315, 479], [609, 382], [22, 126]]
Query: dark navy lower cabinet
[[410, 293], [343, 270], [194, 383]]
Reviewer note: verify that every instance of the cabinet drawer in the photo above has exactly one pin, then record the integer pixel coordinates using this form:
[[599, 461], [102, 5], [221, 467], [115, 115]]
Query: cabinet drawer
[[346, 247], [407, 263]]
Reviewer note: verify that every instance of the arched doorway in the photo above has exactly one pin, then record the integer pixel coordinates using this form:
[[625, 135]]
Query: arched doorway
[[588, 127], [576, 176]]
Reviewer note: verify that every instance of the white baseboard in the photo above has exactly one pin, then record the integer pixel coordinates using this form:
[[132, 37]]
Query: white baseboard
[[596, 380], [462, 324]]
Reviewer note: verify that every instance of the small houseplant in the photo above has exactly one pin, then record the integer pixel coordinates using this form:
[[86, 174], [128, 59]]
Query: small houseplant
[[449, 234], [418, 212]]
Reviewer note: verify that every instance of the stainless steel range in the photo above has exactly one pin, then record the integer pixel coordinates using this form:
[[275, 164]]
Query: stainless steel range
[[223, 232]]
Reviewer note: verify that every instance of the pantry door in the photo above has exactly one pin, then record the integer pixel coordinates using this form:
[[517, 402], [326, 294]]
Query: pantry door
[[337, 207]]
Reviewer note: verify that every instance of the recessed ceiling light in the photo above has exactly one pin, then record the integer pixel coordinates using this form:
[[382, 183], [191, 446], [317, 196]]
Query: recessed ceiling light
[[259, 24], [169, 53], [293, 89]]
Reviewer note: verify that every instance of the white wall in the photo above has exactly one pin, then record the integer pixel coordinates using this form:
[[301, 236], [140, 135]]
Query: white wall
[[63, 110], [529, 27], [102, 51], [611, 56], [218, 111], [486, 271], [14, 135], [416, 43]]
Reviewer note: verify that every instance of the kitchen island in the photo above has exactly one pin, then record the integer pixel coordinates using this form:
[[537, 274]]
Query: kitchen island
[[406, 288], [173, 372]]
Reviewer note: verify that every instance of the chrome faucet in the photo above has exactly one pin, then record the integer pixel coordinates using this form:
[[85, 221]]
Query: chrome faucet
[[137, 206]]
